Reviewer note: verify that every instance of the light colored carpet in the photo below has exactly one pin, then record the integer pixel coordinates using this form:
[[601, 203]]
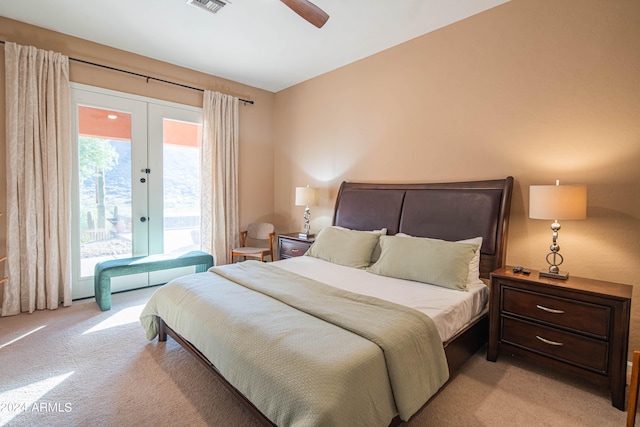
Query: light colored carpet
[[79, 366]]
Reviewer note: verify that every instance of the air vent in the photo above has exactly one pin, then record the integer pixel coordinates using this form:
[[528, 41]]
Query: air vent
[[212, 6]]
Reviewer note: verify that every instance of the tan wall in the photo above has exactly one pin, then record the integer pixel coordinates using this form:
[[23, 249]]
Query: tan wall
[[537, 89], [256, 121]]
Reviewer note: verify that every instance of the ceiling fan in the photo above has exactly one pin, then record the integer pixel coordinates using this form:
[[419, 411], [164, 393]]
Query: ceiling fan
[[309, 11], [304, 8]]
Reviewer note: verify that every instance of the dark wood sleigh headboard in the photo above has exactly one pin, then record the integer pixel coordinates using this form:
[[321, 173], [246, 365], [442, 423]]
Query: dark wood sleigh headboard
[[449, 211]]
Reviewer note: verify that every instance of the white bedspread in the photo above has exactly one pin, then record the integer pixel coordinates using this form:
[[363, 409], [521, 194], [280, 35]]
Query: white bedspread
[[450, 309]]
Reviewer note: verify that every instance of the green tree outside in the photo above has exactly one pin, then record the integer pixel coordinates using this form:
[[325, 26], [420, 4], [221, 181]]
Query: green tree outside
[[95, 157]]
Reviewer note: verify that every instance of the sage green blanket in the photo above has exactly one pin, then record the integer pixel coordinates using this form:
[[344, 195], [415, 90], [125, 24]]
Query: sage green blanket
[[303, 352]]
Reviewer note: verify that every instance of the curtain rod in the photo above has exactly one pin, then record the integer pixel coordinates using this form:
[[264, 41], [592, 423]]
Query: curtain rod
[[245, 101]]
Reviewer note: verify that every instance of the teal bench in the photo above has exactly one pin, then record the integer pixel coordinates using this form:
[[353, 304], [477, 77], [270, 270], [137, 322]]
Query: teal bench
[[105, 270]]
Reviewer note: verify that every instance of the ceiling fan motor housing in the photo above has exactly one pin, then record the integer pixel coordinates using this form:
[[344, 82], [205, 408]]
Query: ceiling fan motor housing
[[212, 6]]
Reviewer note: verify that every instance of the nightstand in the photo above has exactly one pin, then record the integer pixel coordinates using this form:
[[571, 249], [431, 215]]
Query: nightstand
[[579, 326], [290, 245]]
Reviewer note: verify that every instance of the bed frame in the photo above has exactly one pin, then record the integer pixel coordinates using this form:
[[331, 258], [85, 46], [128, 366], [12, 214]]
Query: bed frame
[[449, 211]]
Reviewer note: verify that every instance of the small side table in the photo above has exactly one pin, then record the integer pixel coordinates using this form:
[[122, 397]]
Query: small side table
[[291, 245], [580, 326]]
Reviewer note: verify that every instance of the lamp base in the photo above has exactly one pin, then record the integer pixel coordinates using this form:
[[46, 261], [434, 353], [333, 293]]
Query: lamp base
[[559, 276], [305, 235]]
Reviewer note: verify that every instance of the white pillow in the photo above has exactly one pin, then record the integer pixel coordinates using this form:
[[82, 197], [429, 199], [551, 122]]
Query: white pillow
[[474, 265]]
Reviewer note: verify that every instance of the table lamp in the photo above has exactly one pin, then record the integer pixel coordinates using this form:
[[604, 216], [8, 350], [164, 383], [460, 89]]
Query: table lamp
[[557, 202], [307, 196]]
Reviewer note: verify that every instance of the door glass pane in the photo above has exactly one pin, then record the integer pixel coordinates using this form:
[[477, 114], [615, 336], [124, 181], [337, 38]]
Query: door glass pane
[[181, 185], [104, 151]]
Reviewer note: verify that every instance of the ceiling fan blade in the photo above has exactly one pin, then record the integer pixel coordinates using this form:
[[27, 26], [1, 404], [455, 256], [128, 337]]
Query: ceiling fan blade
[[308, 11]]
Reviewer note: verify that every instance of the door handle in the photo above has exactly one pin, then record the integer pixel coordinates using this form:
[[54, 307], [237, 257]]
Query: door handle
[[143, 219]]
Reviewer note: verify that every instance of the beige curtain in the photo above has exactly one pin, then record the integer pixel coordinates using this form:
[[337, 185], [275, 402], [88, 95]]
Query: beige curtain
[[38, 180], [219, 164]]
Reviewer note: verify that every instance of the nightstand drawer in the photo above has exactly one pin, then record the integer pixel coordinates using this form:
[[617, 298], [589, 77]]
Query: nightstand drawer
[[289, 248], [592, 319], [571, 348]]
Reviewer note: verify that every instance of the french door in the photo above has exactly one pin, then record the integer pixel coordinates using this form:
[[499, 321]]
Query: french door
[[136, 187]]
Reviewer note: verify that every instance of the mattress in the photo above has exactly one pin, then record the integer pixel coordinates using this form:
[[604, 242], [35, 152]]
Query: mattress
[[450, 309]]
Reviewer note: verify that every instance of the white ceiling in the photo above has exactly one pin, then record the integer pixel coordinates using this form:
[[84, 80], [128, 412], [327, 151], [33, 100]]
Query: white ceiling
[[261, 43]]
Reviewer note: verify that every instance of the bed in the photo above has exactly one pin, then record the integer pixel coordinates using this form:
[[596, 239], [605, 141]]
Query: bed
[[338, 337]]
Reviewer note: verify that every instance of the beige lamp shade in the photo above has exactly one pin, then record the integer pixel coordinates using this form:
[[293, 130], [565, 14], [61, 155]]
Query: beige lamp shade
[[307, 196], [558, 202]]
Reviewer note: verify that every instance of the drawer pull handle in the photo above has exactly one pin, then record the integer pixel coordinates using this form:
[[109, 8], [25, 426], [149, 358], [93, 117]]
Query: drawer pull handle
[[546, 341], [549, 310], [294, 250]]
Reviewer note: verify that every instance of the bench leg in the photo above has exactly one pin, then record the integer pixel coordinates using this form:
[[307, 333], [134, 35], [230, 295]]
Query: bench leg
[[201, 268], [102, 285]]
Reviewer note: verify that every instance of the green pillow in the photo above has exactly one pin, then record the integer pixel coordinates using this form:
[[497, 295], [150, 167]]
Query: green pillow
[[343, 246], [432, 261]]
